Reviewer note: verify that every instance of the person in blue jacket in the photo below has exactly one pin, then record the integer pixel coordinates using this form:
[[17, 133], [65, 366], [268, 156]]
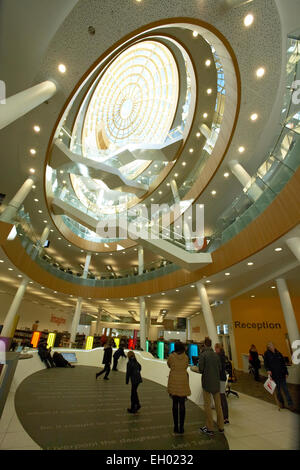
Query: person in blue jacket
[[133, 373]]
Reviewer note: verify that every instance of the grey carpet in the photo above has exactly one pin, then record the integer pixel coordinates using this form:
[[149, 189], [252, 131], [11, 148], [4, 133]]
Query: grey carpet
[[70, 409]]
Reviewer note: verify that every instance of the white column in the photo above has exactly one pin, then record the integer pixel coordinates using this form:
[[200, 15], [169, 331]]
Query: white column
[[188, 329], [205, 130], [207, 313], [93, 328], [174, 189], [43, 238], [23, 102], [239, 172], [141, 259], [288, 311], [15, 203], [77, 313], [294, 246], [10, 317], [142, 323], [75, 321]]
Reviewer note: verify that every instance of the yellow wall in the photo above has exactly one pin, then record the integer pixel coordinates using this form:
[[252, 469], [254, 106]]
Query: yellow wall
[[258, 311]]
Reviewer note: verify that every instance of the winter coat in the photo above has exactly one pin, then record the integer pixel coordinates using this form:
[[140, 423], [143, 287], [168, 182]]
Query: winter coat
[[210, 367], [223, 359], [276, 364], [119, 353], [107, 355], [178, 383], [133, 371]]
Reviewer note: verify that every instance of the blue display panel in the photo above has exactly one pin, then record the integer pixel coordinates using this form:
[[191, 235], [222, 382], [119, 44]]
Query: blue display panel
[[192, 351], [171, 347]]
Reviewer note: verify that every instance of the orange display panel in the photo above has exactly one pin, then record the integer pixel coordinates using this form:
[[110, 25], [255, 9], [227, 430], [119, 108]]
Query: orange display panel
[[35, 339]]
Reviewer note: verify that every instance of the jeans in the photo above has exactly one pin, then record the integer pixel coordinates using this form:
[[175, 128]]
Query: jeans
[[282, 385], [178, 404], [135, 403]]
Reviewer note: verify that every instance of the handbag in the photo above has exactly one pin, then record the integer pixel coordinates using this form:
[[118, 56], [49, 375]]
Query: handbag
[[270, 385]]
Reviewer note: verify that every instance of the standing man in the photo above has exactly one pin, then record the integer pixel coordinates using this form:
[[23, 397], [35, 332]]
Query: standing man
[[277, 370], [106, 361], [210, 368], [119, 353]]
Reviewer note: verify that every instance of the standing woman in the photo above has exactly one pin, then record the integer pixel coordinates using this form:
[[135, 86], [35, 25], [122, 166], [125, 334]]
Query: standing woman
[[133, 373], [254, 361], [221, 353], [178, 384], [106, 361]]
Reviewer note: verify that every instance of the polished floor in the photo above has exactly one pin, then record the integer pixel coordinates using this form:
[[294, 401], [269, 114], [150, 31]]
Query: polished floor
[[254, 424]]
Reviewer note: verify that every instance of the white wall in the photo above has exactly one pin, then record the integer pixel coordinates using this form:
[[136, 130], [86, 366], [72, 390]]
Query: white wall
[[29, 312]]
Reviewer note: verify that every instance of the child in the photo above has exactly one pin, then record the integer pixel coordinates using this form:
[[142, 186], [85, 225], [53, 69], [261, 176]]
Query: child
[[133, 373]]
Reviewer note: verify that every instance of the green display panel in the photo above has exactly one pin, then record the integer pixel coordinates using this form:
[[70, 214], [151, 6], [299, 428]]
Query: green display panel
[[160, 349], [147, 345]]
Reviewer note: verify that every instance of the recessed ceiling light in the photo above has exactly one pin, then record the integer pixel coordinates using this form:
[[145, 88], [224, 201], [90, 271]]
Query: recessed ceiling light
[[32, 170], [34, 186], [177, 290], [163, 293], [260, 72], [42, 287], [45, 221], [227, 274], [195, 34], [207, 62], [248, 20], [36, 129], [193, 285], [250, 263], [152, 199], [10, 269], [52, 230], [159, 192], [58, 238], [32, 151], [62, 68], [208, 281], [226, 175], [1, 261], [254, 116], [198, 134], [241, 149], [183, 163], [252, 296], [209, 91], [205, 115], [36, 200], [273, 287], [191, 150], [168, 184], [69, 245], [176, 174], [214, 192], [278, 249]]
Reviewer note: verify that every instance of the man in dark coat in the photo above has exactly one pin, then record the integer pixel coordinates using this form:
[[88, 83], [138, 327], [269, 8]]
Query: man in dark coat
[[119, 353], [60, 361], [106, 361], [45, 355], [210, 368], [133, 373], [277, 370]]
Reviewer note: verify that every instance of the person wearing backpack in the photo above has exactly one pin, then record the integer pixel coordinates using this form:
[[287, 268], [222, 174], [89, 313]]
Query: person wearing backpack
[[133, 373]]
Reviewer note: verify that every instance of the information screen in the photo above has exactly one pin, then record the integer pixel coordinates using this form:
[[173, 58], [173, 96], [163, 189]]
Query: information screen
[[70, 357]]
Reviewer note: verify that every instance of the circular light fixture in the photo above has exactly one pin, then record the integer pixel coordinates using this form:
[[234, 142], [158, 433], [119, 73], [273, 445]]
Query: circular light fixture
[[214, 192], [45, 221], [198, 134], [34, 186], [248, 20], [208, 281], [191, 150], [36, 129], [62, 68], [254, 116], [36, 200], [207, 62], [227, 274], [32, 170], [195, 34], [10, 269], [40, 212], [177, 290], [183, 163], [273, 287], [260, 72], [205, 115], [278, 249], [1, 261], [209, 91], [32, 151], [250, 263], [226, 175], [252, 296], [241, 149]]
